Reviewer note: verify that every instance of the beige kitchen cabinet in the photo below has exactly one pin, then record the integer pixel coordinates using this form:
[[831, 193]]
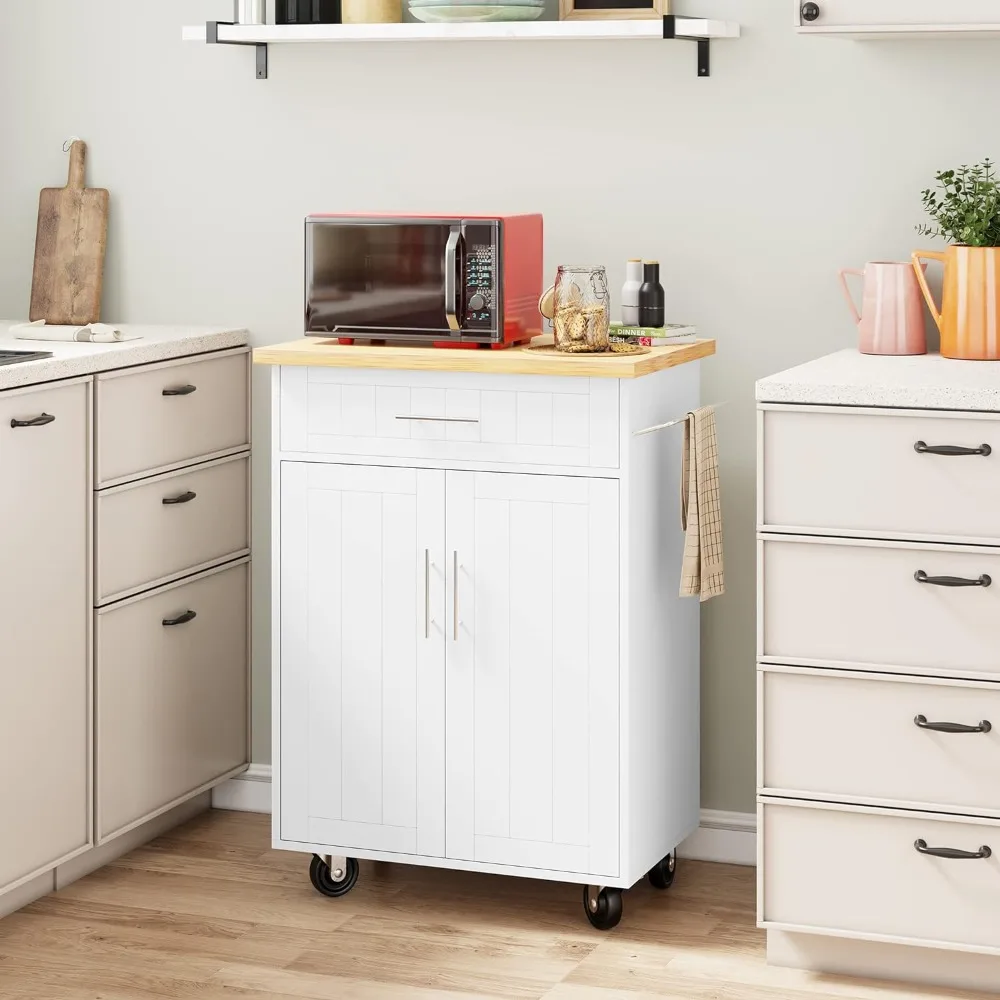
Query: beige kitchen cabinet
[[45, 717], [165, 719], [124, 579], [878, 659]]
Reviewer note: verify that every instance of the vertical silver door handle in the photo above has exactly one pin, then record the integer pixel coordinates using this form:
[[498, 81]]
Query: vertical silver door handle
[[454, 578], [427, 593], [450, 280]]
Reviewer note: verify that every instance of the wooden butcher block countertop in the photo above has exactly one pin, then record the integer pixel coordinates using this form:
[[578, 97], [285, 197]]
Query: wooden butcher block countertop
[[314, 351]]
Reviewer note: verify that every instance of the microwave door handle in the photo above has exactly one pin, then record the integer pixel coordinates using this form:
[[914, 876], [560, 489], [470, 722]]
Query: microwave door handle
[[450, 282]]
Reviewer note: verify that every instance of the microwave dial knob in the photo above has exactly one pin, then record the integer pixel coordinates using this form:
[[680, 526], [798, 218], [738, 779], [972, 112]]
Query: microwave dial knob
[[477, 302]]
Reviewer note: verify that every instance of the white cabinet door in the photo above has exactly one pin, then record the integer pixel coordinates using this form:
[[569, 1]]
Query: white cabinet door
[[362, 658], [532, 671]]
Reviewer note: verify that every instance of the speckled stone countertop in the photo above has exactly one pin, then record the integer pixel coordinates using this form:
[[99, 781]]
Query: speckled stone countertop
[[926, 381], [69, 360]]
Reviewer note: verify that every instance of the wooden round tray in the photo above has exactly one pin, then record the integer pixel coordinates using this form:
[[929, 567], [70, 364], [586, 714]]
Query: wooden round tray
[[551, 351]]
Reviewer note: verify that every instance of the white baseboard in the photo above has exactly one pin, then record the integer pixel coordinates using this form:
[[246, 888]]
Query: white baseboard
[[727, 837], [247, 792]]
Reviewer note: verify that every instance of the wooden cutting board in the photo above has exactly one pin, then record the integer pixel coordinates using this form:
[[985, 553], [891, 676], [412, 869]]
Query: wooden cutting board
[[69, 249]]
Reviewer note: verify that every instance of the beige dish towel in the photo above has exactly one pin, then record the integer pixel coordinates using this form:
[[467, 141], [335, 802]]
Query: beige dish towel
[[702, 573]]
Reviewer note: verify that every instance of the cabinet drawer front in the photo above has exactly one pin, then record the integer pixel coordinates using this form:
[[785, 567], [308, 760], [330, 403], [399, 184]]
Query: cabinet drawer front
[[862, 473], [171, 699], [860, 13], [451, 415], [858, 872], [175, 524], [859, 603], [44, 629], [160, 417], [854, 736]]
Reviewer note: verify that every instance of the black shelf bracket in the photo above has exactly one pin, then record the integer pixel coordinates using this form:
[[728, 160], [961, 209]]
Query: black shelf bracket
[[673, 27], [212, 37]]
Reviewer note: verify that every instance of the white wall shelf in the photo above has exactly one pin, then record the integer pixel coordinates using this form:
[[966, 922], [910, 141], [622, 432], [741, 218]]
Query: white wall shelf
[[699, 30]]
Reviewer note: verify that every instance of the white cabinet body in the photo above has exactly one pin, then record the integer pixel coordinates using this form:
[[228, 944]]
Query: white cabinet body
[[480, 658], [878, 661]]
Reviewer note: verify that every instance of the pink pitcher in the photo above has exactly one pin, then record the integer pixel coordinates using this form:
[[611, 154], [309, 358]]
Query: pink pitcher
[[892, 310]]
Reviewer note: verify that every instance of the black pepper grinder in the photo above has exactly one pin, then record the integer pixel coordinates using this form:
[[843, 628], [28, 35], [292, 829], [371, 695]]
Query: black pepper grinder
[[307, 12], [651, 295]]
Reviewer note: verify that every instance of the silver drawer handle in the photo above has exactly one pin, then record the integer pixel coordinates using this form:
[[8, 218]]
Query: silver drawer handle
[[454, 580], [440, 420], [427, 593]]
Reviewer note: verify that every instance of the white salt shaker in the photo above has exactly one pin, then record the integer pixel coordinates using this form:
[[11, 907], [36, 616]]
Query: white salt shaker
[[630, 292], [250, 11]]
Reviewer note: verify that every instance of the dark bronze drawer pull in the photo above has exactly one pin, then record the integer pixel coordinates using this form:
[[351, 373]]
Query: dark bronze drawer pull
[[952, 853], [39, 421], [984, 580], [921, 722], [188, 616], [923, 448], [183, 498], [180, 390]]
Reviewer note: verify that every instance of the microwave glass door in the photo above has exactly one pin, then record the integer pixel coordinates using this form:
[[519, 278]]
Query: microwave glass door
[[368, 277]]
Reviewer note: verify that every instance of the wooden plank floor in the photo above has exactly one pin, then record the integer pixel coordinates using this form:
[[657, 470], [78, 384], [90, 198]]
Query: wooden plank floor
[[211, 913]]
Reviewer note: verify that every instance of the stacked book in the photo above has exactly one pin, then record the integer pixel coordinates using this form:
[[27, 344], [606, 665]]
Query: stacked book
[[652, 336]]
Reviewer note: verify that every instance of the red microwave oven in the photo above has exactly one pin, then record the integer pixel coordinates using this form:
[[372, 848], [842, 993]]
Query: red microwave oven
[[471, 281]]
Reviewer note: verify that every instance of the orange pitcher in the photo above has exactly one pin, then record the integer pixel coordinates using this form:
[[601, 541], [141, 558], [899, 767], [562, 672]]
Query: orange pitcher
[[969, 318]]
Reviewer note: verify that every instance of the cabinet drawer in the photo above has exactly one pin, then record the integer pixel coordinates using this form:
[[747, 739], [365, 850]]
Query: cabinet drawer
[[859, 603], [171, 699], [860, 473], [162, 528], [858, 873], [854, 736], [526, 419], [155, 418], [875, 14]]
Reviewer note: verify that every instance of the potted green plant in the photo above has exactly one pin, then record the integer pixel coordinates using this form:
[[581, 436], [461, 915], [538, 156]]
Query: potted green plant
[[965, 209]]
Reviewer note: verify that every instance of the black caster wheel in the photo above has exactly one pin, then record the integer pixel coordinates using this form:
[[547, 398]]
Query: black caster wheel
[[604, 908], [323, 879], [661, 875]]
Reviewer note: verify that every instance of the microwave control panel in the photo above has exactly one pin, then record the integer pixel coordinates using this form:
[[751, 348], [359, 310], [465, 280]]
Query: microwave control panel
[[480, 296]]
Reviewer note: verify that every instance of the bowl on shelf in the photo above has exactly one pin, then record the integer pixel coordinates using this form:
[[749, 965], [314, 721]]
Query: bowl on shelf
[[457, 11]]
